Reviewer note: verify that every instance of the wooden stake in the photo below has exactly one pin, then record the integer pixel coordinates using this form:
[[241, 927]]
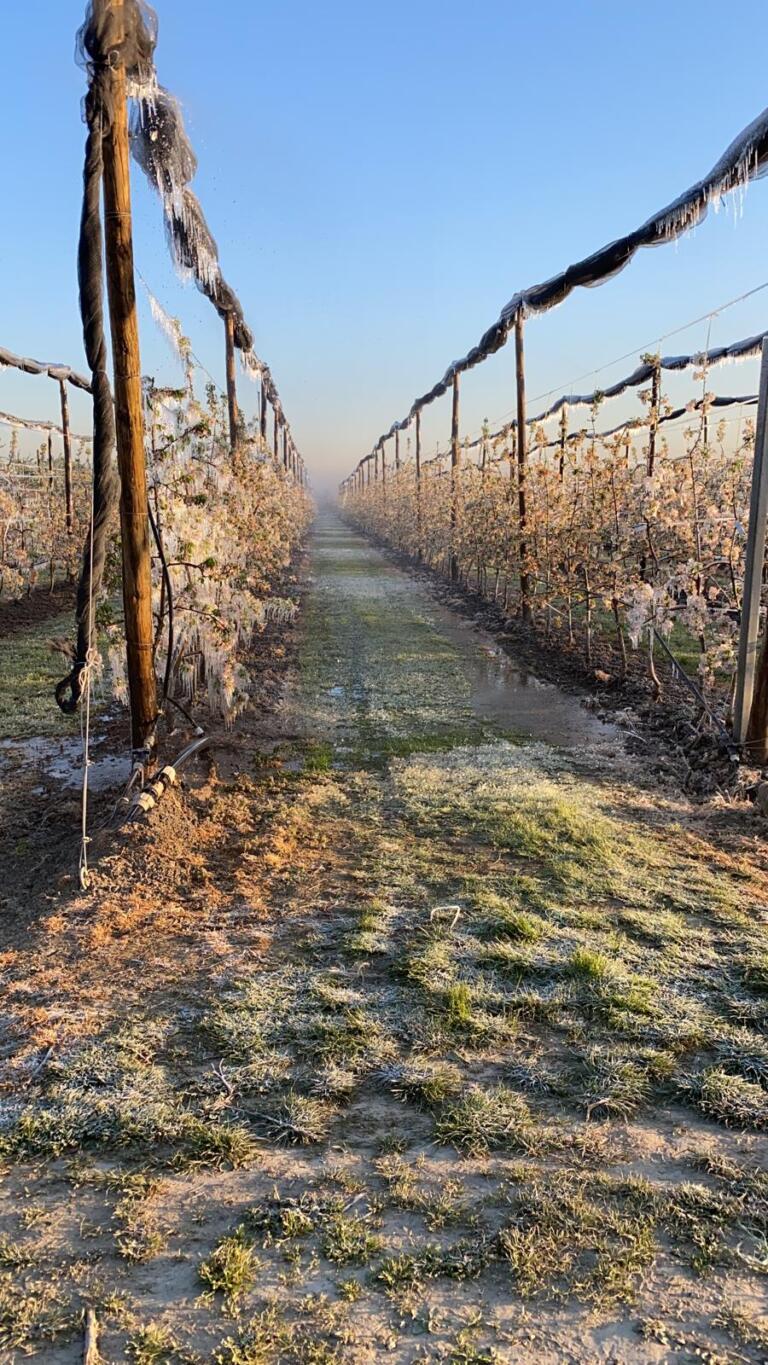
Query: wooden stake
[[91, 1355], [234, 414], [129, 415], [419, 547], [397, 451], [67, 454], [263, 415], [563, 439], [383, 471], [522, 466], [455, 458], [751, 703], [275, 431], [655, 401]]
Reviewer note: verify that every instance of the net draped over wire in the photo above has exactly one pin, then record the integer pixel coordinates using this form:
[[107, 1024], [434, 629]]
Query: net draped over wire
[[744, 160], [162, 149]]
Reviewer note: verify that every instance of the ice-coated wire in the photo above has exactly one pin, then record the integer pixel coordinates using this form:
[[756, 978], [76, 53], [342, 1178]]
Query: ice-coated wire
[[744, 160]]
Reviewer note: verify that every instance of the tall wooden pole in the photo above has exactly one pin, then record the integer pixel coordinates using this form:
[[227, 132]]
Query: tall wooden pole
[[263, 415], [129, 415], [419, 547], [384, 471], [275, 430], [455, 457], [522, 467], [655, 402], [750, 722], [397, 451], [563, 439], [234, 415], [67, 454]]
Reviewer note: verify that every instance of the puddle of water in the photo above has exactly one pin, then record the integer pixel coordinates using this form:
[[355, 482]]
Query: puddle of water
[[507, 694], [384, 660], [61, 760]]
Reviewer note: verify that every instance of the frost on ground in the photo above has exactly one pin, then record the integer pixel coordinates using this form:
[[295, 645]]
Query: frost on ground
[[417, 1038]]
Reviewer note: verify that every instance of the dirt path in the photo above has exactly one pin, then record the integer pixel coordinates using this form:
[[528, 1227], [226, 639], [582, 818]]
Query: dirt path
[[421, 1029]]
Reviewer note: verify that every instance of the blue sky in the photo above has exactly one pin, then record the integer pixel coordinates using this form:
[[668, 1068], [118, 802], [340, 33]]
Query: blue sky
[[381, 179]]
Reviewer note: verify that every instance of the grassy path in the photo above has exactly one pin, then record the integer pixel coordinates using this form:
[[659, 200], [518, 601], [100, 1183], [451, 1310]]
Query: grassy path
[[432, 1033]]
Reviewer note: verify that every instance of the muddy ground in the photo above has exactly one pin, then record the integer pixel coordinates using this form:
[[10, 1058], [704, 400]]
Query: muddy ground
[[424, 1024]]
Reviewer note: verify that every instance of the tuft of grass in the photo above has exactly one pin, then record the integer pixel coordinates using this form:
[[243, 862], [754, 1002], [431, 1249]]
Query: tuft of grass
[[297, 1120], [15, 1255], [587, 964], [745, 1328], [231, 1267], [462, 1016], [350, 1290], [349, 1241], [152, 1344], [284, 1220], [741, 1050], [32, 1313], [423, 1080], [730, 1099], [504, 921], [754, 970], [484, 1120], [613, 1086], [440, 1203], [464, 1352], [268, 1338], [561, 1241]]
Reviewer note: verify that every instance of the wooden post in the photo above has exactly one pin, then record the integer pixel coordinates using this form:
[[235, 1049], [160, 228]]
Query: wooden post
[[455, 457], [263, 414], [655, 401], [397, 450], [67, 454], [234, 416], [419, 546], [522, 466], [129, 414], [750, 722], [563, 439], [384, 471], [275, 424]]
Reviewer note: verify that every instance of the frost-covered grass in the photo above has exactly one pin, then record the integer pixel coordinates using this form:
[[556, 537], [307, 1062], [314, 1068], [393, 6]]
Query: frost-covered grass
[[29, 672], [471, 1038]]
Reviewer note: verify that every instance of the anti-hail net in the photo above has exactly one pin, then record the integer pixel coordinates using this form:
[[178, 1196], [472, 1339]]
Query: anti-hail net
[[744, 160]]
